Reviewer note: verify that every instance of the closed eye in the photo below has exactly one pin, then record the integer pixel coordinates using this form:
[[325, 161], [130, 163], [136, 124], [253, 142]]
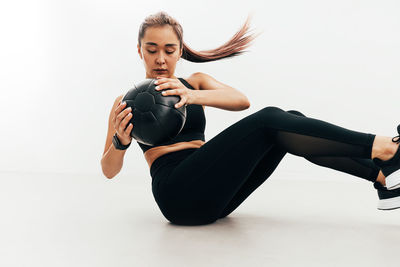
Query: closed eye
[[152, 52]]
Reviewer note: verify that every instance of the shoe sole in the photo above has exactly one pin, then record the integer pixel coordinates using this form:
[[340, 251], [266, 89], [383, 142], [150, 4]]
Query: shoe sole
[[393, 180], [389, 203]]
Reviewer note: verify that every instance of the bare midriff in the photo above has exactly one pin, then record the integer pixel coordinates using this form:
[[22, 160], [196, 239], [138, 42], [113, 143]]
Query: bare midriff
[[153, 153]]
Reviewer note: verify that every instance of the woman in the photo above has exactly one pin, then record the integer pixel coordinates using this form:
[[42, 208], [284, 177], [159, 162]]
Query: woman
[[196, 182]]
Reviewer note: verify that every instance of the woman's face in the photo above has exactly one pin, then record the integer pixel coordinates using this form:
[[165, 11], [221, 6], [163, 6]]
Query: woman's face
[[160, 50]]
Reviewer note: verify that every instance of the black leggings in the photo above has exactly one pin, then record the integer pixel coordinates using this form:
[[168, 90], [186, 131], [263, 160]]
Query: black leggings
[[200, 185]]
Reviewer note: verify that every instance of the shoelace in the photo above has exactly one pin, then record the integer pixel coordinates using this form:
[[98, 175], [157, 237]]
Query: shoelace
[[398, 137]]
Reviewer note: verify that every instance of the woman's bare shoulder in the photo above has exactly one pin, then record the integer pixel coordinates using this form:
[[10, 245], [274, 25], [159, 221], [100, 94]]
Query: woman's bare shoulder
[[195, 80], [204, 81]]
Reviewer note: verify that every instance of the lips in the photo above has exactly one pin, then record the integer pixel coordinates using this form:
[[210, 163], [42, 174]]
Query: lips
[[160, 70]]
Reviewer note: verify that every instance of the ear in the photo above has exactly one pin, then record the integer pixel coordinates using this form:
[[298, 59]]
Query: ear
[[180, 53], [139, 51]]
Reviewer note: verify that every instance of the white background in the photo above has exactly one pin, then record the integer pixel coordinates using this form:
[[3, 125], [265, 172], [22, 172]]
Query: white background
[[64, 62]]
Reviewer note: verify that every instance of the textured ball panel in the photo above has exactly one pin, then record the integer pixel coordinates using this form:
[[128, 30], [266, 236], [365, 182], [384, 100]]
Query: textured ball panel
[[144, 101], [170, 119], [155, 119]]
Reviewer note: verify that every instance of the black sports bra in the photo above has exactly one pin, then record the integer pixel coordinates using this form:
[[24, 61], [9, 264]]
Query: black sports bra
[[193, 128]]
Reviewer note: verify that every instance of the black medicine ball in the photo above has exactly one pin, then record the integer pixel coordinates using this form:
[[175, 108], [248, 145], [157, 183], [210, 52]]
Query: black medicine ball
[[155, 118]]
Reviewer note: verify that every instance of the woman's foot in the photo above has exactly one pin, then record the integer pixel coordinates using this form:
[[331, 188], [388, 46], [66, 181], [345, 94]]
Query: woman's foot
[[389, 162], [388, 199], [384, 148]]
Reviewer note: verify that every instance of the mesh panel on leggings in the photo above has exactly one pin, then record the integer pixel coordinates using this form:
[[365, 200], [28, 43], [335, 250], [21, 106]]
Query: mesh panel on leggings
[[305, 145]]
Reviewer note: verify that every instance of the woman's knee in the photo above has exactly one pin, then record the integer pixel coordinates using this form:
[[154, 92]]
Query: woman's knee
[[272, 110], [296, 112]]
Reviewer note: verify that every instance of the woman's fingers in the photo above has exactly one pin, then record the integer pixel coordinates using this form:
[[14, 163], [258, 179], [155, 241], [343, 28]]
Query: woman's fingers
[[166, 85], [125, 121], [129, 129], [123, 118], [117, 111], [123, 113], [120, 107]]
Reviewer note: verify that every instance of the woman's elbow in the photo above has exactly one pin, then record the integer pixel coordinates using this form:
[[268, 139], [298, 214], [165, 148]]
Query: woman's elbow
[[245, 104], [109, 176], [106, 173]]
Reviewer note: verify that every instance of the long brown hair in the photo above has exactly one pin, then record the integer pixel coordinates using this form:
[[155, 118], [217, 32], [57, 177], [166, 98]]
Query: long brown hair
[[233, 47]]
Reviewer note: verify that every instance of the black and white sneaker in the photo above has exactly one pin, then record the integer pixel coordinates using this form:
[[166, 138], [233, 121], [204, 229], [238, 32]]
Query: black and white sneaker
[[388, 199], [391, 168]]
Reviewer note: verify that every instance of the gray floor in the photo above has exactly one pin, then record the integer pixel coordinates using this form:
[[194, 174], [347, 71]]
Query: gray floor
[[69, 220]]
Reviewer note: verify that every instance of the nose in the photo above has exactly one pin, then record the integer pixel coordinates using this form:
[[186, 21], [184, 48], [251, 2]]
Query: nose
[[160, 58]]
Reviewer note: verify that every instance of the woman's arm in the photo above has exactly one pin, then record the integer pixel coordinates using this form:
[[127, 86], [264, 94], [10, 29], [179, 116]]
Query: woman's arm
[[112, 159], [216, 94]]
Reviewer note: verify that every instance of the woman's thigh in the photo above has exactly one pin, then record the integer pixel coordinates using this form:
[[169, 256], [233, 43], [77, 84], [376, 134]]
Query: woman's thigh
[[262, 172], [200, 187], [264, 169]]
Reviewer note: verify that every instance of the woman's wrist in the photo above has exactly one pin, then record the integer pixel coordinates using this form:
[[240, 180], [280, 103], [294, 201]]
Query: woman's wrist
[[123, 141]]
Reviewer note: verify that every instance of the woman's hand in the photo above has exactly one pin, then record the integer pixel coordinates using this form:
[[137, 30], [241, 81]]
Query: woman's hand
[[121, 118], [176, 88]]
